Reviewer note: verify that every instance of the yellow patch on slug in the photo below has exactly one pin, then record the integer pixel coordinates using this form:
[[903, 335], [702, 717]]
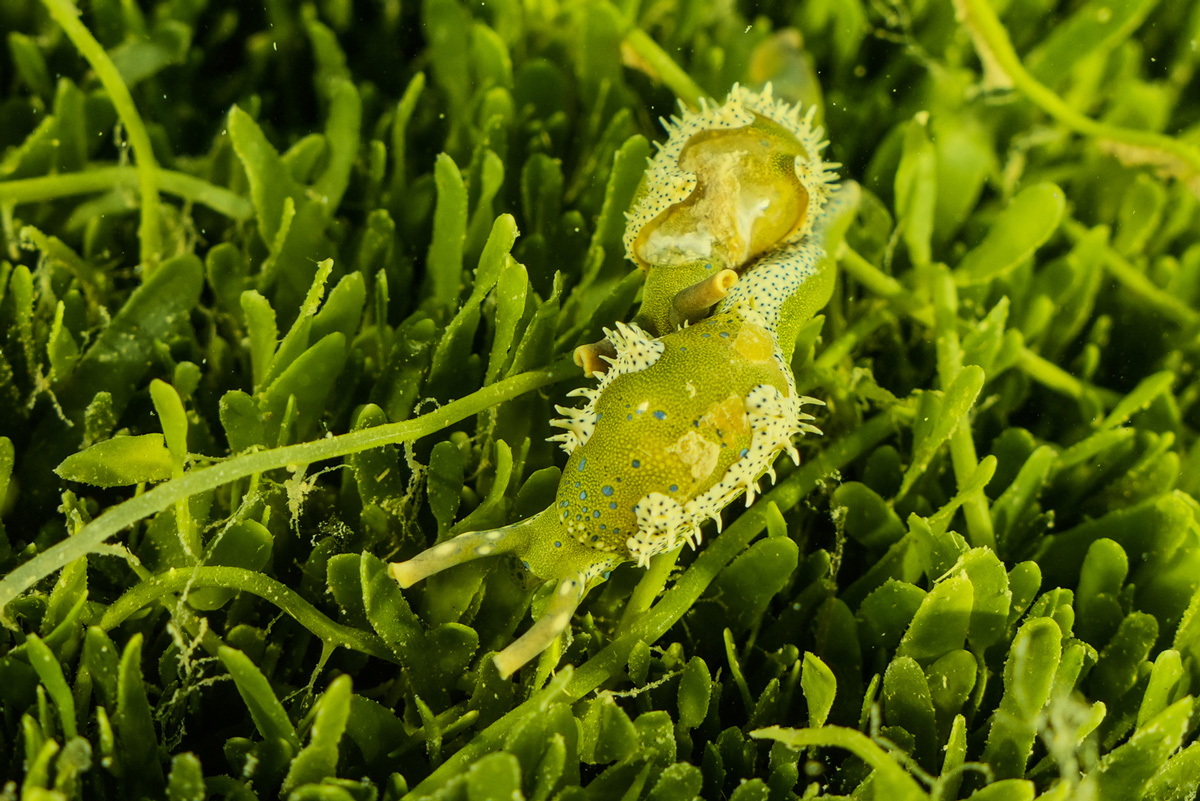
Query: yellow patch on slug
[[728, 416], [754, 343], [697, 454]]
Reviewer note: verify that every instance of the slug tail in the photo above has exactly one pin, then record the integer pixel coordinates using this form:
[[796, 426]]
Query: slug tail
[[460, 549], [545, 631]]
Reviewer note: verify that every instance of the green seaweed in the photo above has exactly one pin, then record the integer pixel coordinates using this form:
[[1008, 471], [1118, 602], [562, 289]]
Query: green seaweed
[[290, 292]]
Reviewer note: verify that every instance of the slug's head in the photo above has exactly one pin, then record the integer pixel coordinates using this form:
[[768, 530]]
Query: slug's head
[[730, 183]]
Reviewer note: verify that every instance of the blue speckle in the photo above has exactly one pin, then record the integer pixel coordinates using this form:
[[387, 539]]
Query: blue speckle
[[706, 336], [577, 483], [637, 463], [660, 415], [557, 544], [596, 513], [606, 490], [674, 488], [725, 334], [612, 505], [595, 537], [744, 452], [583, 495], [526, 564], [565, 504], [582, 464], [629, 417]]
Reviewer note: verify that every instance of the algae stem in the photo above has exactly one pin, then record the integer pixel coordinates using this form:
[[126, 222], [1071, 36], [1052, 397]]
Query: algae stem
[[66, 15], [997, 53], [91, 536], [236, 578], [106, 179]]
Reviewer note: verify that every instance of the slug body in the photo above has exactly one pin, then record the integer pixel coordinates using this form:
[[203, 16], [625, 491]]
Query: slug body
[[690, 410], [733, 184]]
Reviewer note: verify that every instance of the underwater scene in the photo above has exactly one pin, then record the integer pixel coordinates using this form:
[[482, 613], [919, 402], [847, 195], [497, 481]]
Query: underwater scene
[[645, 400]]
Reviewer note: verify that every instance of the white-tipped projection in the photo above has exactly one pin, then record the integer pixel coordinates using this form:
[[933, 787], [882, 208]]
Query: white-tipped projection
[[546, 630], [463, 548]]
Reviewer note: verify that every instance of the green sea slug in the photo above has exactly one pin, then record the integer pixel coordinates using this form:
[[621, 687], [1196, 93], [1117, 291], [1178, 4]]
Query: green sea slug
[[688, 414]]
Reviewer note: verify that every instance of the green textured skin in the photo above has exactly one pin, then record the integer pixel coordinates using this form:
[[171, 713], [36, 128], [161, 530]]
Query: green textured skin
[[671, 429]]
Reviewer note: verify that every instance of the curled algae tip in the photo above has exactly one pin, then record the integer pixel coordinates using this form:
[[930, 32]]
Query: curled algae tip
[[695, 397]]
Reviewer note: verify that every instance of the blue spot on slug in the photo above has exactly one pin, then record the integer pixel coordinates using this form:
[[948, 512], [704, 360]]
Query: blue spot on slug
[[606, 490], [660, 415], [583, 495], [612, 505], [582, 464], [637, 463]]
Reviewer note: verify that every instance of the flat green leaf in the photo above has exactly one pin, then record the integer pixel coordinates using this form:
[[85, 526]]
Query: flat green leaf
[[307, 383], [51, 674], [444, 262], [1126, 770], [938, 416], [695, 692], [819, 686], [268, 714], [916, 190], [186, 780], [1023, 227], [143, 57], [991, 597], [608, 733], [748, 584], [1118, 666], [1093, 27], [869, 520], [1165, 684], [951, 680], [1028, 677], [319, 758], [120, 462], [496, 777], [173, 419], [134, 727], [30, 64], [941, 623], [1178, 779], [342, 132], [270, 182]]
